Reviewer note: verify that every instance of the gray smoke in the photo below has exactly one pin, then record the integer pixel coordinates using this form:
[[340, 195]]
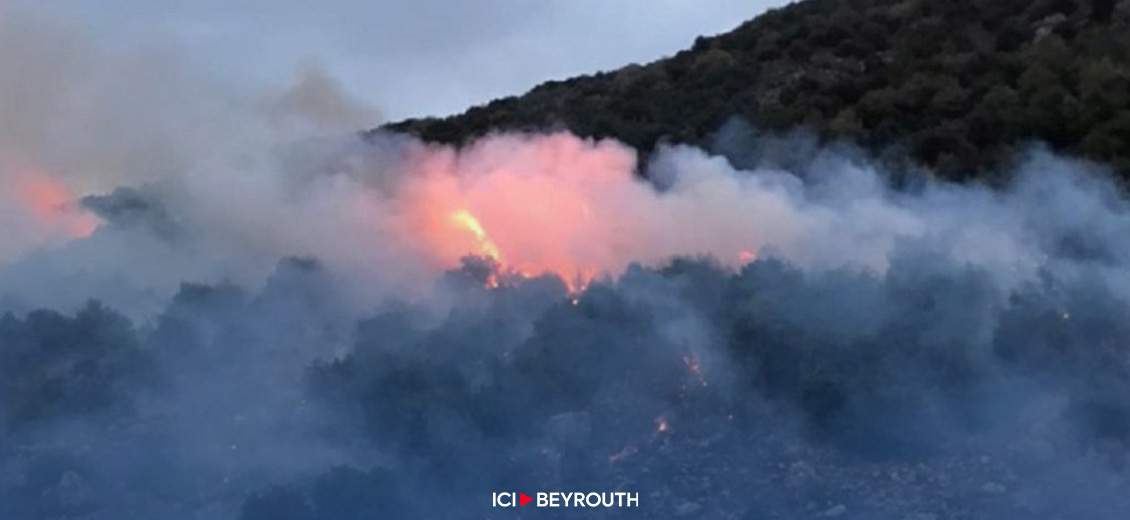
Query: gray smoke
[[949, 332], [219, 305]]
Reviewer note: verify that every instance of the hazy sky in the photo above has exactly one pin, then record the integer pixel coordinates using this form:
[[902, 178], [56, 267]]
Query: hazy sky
[[410, 57]]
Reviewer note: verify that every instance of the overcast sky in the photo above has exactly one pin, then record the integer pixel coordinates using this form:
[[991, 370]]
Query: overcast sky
[[413, 57]]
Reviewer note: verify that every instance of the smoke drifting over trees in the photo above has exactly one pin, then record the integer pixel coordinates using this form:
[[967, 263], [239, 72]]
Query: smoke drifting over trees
[[924, 327], [275, 321]]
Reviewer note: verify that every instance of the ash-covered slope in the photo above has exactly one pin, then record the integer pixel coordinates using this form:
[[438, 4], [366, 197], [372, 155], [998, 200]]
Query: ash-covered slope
[[955, 84]]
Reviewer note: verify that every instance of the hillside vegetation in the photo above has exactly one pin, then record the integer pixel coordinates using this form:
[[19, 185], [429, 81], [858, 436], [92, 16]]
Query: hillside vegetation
[[954, 84]]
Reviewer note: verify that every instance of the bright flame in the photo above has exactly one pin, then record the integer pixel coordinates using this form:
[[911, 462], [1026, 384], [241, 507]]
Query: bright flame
[[574, 208], [466, 220]]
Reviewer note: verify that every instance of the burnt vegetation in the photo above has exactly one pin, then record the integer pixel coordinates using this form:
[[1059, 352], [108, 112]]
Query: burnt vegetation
[[954, 85]]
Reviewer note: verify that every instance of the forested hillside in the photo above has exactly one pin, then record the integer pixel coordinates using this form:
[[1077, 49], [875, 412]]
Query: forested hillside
[[952, 83]]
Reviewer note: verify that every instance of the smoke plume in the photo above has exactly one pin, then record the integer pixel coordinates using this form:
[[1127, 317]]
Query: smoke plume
[[224, 305]]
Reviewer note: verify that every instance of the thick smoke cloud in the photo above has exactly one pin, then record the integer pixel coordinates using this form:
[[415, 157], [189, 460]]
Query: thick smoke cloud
[[83, 119], [944, 332], [269, 318]]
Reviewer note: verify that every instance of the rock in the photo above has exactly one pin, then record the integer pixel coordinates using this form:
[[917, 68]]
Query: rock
[[835, 511], [994, 488]]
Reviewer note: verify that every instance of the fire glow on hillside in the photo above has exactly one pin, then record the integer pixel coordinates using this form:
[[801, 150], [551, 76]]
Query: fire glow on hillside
[[565, 206]]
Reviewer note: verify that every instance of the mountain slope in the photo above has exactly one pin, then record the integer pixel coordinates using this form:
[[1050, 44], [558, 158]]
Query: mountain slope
[[954, 83]]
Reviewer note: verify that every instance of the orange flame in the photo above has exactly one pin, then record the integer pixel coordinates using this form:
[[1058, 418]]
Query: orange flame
[[559, 205], [465, 220]]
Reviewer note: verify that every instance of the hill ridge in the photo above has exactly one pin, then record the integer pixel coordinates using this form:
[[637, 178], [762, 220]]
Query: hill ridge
[[954, 84]]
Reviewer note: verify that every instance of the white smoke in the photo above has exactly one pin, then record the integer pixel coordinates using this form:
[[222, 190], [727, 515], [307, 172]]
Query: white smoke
[[239, 179], [126, 175]]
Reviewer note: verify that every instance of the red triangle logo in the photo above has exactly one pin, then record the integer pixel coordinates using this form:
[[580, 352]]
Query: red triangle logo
[[523, 499]]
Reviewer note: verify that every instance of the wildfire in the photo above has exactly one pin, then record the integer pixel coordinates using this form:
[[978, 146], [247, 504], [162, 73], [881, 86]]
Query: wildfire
[[465, 220], [564, 206]]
